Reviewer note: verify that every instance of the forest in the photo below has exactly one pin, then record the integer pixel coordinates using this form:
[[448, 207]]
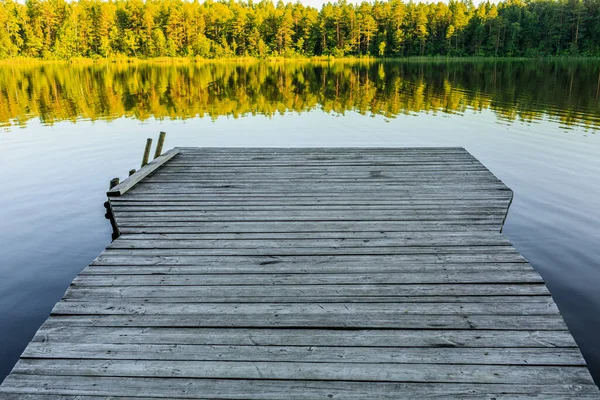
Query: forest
[[60, 29]]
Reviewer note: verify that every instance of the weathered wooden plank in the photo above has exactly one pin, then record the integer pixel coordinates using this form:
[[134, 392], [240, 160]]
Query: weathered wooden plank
[[358, 192], [457, 199], [258, 165], [372, 172], [320, 156], [371, 175], [305, 242], [432, 199], [398, 236], [49, 387], [307, 354], [408, 321], [318, 187], [194, 227], [319, 150], [281, 267], [325, 157], [290, 203], [366, 171], [162, 296], [314, 215], [303, 224], [44, 387], [306, 174], [299, 292], [299, 262], [324, 186], [391, 208], [311, 226], [427, 173], [356, 195], [356, 154], [307, 310], [304, 162], [303, 181], [51, 333], [309, 371], [349, 156], [322, 251], [310, 279], [142, 173], [320, 163]]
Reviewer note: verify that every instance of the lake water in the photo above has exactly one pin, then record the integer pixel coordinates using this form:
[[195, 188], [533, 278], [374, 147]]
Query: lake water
[[65, 131]]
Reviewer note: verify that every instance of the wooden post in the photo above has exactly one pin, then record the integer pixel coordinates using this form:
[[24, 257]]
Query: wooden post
[[131, 172], [159, 144], [113, 182], [147, 151]]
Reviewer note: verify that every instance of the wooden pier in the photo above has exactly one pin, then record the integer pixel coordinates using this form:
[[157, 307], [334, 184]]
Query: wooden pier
[[312, 273]]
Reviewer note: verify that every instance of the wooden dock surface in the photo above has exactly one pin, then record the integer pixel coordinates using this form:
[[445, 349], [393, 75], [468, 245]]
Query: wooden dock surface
[[325, 273]]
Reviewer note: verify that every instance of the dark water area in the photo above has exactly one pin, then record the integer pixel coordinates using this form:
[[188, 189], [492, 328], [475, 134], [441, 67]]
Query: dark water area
[[65, 131]]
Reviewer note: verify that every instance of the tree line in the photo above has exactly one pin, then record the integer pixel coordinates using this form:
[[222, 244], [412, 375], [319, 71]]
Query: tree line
[[61, 29]]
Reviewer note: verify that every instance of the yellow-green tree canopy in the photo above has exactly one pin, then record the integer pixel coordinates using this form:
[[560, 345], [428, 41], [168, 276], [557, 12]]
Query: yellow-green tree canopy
[[61, 29]]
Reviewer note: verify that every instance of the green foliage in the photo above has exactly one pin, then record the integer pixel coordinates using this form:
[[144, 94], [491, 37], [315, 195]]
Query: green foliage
[[515, 90], [57, 29]]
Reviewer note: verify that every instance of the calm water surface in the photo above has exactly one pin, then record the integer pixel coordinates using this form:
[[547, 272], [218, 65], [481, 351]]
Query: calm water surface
[[66, 130]]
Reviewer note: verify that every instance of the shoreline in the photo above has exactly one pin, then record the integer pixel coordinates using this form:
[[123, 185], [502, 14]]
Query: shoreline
[[274, 60]]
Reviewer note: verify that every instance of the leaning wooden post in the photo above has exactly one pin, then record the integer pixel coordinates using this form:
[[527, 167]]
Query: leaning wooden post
[[109, 214], [159, 144], [147, 151], [113, 182]]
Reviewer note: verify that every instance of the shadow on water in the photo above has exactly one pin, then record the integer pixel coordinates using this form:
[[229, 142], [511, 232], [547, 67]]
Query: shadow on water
[[565, 92]]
